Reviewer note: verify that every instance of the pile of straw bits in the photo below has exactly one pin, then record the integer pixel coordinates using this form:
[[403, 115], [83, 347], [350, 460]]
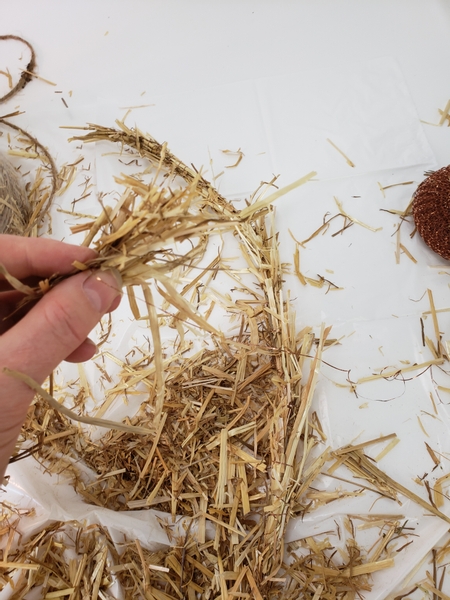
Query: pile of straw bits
[[224, 444]]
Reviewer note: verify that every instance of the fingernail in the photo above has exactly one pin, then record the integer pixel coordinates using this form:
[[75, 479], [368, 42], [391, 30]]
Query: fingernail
[[102, 287], [89, 342]]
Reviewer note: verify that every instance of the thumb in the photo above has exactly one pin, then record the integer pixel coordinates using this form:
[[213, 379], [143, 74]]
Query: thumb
[[59, 323], [46, 335]]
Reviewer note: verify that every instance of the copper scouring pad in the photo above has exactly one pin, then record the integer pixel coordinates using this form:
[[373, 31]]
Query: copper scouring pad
[[431, 211]]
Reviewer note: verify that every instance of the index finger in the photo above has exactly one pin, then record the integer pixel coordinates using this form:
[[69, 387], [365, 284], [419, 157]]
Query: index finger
[[25, 257]]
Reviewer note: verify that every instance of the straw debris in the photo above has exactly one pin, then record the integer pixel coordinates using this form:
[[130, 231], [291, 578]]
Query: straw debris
[[233, 447]]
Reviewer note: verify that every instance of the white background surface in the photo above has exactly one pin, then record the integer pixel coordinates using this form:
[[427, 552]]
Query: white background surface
[[279, 78]]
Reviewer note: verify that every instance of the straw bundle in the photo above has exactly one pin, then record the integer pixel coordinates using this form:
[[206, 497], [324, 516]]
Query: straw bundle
[[137, 235]]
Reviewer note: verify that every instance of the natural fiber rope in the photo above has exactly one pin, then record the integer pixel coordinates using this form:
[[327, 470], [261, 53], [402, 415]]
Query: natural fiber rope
[[15, 210], [26, 74]]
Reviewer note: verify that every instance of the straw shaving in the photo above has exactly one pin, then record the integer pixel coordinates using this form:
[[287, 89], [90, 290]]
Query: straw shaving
[[347, 160], [353, 219]]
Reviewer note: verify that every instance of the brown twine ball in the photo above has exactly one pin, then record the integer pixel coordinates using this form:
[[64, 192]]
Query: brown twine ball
[[431, 211], [15, 210]]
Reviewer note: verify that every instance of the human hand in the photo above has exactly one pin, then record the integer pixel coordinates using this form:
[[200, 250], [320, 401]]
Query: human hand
[[37, 337]]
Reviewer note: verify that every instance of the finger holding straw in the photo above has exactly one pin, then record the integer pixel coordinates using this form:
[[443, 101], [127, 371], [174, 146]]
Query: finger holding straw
[[37, 336]]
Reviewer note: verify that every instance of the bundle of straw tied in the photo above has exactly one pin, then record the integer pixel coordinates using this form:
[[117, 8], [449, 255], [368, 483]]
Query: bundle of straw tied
[[225, 442]]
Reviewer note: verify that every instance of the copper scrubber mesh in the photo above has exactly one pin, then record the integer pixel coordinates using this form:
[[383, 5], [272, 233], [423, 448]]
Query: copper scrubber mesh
[[431, 210]]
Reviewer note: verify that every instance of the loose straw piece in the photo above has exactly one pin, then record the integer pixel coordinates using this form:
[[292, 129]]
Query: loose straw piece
[[68, 413], [343, 212], [445, 113], [18, 565], [38, 77], [433, 590], [253, 208], [396, 372], [15, 283], [349, 162], [386, 450], [369, 469], [372, 567], [435, 321], [352, 448]]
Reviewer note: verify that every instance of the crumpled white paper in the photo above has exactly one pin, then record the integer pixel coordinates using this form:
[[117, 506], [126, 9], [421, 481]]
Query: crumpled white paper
[[282, 126]]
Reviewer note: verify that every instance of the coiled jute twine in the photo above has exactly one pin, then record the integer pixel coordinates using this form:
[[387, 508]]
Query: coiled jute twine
[[17, 215]]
